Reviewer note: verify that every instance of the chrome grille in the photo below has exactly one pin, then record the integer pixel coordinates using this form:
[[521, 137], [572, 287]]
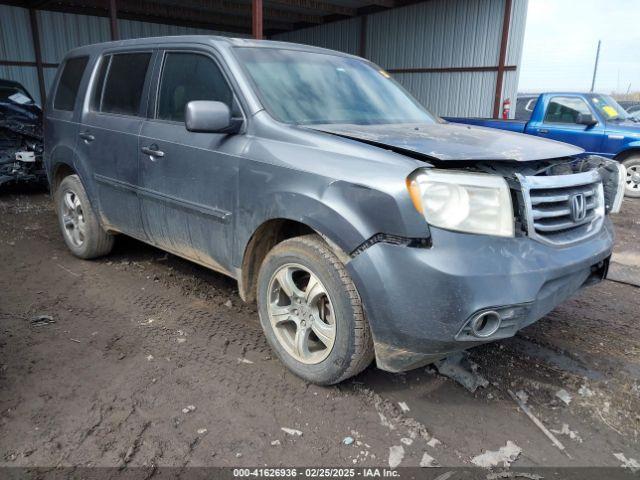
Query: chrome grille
[[563, 209]]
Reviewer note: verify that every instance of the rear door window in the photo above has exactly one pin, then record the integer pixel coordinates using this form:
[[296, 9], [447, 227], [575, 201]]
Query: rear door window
[[124, 83], [187, 77], [67, 92], [566, 110]]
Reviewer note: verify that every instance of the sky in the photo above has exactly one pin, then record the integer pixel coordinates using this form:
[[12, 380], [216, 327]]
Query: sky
[[561, 39]]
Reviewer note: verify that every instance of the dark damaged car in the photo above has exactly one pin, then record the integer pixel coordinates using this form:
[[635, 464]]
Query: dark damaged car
[[364, 226], [20, 135]]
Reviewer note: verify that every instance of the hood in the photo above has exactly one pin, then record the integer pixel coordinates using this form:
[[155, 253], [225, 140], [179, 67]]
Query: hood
[[451, 141], [27, 113]]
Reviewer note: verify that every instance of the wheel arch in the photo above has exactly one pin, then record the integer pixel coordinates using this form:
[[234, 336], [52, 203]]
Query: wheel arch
[[625, 154], [266, 236], [61, 166], [345, 215], [59, 171], [62, 161]]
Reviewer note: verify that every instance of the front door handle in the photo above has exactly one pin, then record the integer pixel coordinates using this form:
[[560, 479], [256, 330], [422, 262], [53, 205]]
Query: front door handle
[[152, 151], [87, 137], [543, 130]]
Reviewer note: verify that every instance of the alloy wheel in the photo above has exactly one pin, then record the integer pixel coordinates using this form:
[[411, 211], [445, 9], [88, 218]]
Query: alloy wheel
[[73, 218], [633, 178], [301, 314]]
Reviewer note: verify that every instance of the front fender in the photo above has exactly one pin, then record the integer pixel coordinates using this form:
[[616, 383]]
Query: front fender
[[346, 213]]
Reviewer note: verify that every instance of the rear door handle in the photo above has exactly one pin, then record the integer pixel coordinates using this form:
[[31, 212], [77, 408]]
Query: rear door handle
[[152, 151], [87, 137]]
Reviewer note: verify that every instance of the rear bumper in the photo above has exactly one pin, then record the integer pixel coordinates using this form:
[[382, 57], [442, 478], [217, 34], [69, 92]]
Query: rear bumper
[[417, 300]]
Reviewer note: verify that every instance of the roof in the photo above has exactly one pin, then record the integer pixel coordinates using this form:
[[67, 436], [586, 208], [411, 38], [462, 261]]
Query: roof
[[212, 40]]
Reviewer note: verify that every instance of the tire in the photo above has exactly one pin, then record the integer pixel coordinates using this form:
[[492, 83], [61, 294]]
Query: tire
[[333, 306], [79, 226], [632, 188]]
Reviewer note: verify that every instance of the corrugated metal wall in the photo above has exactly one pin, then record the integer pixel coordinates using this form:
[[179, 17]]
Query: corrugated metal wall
[[432, 34], [134, 29], [60, 32], [435, 34], [16, 44], [343, 36]]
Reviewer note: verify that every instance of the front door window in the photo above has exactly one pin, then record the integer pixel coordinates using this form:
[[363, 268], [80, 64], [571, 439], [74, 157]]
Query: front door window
[[565, 110]]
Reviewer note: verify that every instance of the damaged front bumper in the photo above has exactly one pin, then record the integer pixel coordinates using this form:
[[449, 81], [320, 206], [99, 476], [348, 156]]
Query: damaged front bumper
[[21, 150], [22, 166], [419, 301]]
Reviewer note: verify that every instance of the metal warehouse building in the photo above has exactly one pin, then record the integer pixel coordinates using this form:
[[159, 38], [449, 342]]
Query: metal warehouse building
[[458, 57]]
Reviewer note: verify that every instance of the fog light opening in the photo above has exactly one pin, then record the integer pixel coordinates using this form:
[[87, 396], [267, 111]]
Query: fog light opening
[[485, 324]]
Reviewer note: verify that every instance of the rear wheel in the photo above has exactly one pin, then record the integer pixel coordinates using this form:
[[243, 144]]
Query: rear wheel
[[632, 188], [80, 228], [311, 312]]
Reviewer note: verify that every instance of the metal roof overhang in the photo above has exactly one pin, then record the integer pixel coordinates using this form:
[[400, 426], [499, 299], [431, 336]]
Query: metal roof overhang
[[235, 16]]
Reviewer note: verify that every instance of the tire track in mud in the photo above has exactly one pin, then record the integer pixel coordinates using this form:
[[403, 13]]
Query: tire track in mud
[[97, 396], [192, 352]]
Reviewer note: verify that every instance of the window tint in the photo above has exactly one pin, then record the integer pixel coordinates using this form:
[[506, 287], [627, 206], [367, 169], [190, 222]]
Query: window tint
[[69, 82], [124, 84], [187, 77], [565, 110]]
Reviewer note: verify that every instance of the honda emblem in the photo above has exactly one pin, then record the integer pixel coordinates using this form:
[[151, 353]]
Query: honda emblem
[[578, 207]]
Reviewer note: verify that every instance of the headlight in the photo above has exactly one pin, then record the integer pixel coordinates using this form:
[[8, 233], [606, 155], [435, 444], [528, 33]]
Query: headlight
[[466, 202], [622, 181]]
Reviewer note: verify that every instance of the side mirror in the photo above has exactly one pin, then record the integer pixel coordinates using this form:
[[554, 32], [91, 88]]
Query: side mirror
[[586, 119], [207, 117]]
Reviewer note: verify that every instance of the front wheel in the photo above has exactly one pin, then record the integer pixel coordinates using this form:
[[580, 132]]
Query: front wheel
[[632, 188], [80, 228], [311, 312]]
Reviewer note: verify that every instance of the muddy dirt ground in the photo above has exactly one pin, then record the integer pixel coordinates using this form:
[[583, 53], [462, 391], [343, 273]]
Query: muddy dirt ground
[[151, 360]]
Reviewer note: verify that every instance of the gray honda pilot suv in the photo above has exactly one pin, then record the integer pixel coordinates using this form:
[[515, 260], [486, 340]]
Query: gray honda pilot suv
[[362, 225]]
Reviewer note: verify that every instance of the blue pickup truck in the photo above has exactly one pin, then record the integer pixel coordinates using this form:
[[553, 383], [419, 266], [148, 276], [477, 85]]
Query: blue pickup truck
[[594, 122]]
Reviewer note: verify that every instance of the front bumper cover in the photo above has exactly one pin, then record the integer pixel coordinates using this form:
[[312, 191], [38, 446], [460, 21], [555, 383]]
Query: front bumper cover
[[417, 300]]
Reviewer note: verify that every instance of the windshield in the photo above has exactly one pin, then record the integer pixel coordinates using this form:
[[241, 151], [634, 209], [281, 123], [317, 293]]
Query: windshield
[[608, 107], [306, 88]]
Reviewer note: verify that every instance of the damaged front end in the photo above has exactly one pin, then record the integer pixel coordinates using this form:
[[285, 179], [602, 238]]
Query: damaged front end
[[468, 288], [21, 143], [563, 201]]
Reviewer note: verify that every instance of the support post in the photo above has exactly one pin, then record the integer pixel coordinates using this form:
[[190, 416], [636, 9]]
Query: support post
[[256, 19], [595, 67], [113, 18], [35, 35], [362, 51], [506, 21]]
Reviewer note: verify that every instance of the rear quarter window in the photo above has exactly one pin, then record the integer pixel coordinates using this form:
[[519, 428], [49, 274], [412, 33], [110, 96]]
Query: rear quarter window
[[525, 107], [69, 83], [124, 83]]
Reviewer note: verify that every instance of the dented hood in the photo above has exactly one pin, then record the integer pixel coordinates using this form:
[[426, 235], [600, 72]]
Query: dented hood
[[452, 141]]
